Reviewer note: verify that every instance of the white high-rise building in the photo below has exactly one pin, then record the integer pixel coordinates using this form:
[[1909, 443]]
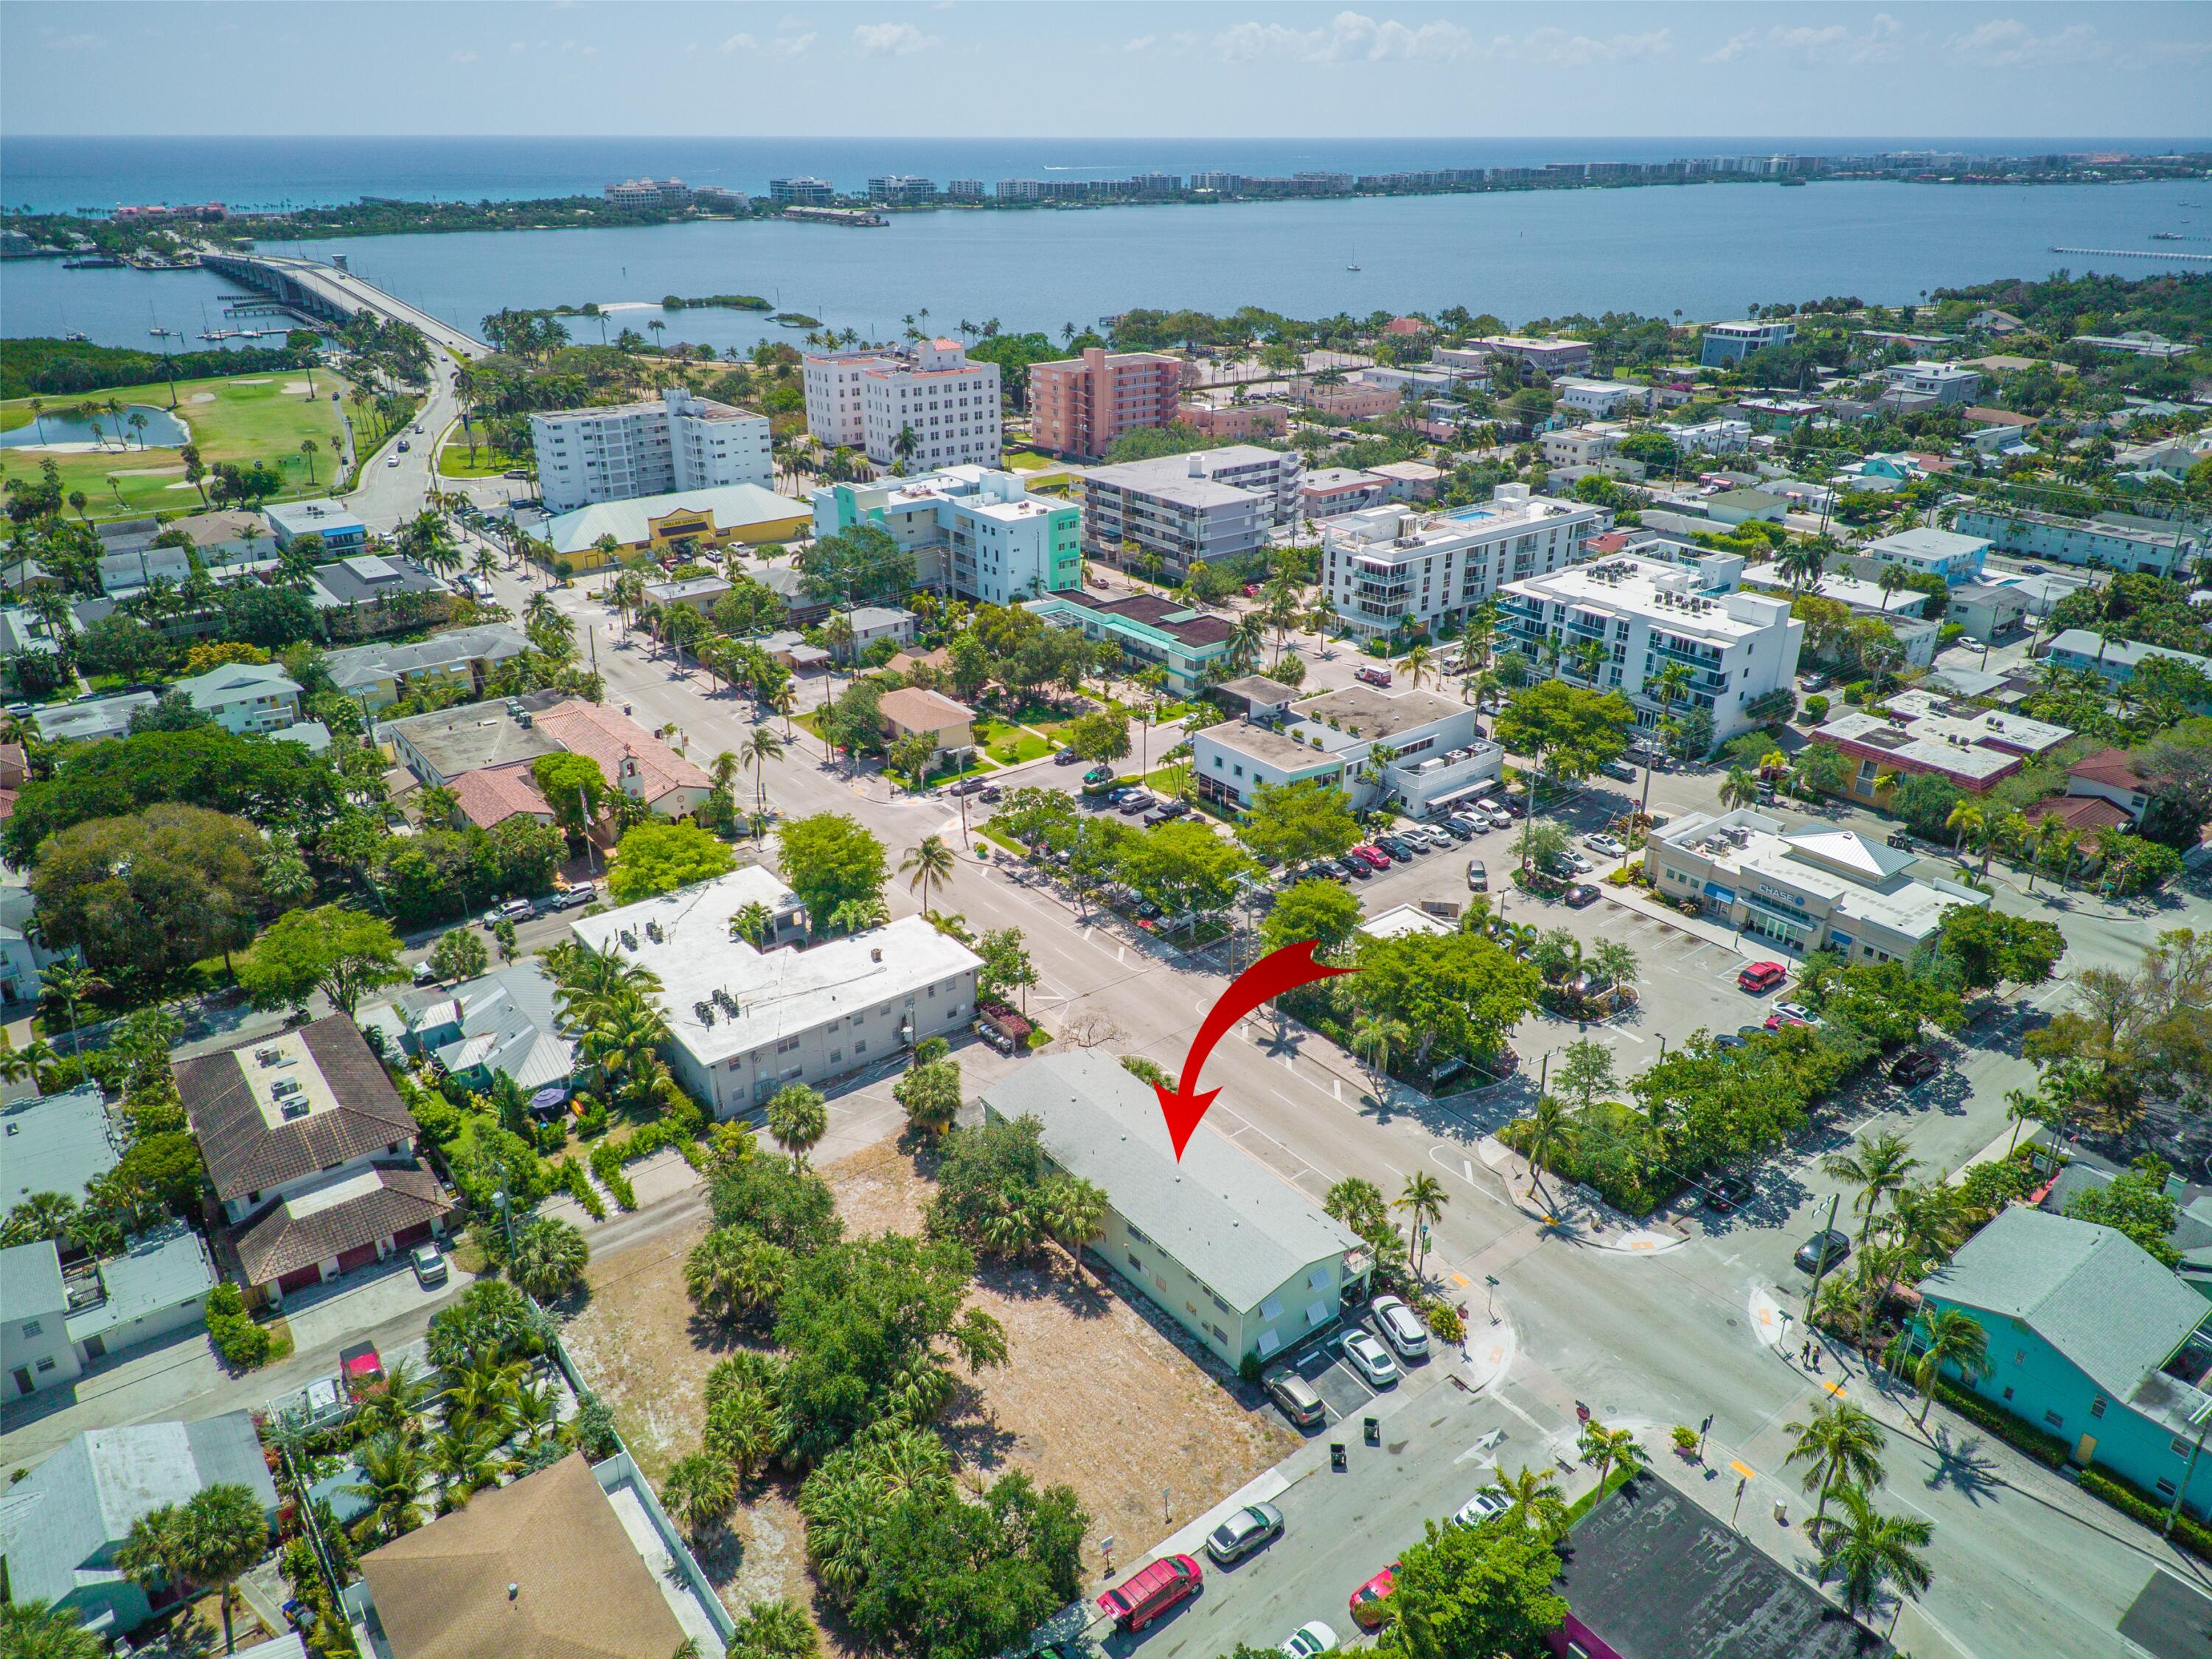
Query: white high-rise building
[[1393, 567], [865, 400], [677, 441]]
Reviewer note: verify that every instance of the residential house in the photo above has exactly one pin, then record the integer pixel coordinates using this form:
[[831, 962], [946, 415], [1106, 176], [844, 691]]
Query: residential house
[[576, 1561], [89, 719], [910, 711], [55, 1143], [36, 1350], [1734, 507], [631, 759], [1714, 437], [2111, 776], [1603, 399], [1986, 612], [490, 795], [128, 572], [1412, 749], [1650, 1574], [1971, 748], [1163, 633], [504, 1023], [62, 1526], [1248, 1266], [379, 676], [23, 952], [1809, 888], [1936, 383], [312, 1155], [60, 1321], [743, 1022], [245, 697], [674, 525], [871, 623], [2093, 1340], [699, 593], [1957, 559]]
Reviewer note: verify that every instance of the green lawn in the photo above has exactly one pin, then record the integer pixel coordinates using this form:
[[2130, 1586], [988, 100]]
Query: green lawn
[[240, 419], [1009, 745], [491, 462]]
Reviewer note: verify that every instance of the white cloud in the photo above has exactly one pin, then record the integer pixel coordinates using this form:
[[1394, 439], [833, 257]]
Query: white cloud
[[1806, 39], [2007, 43], [1728, 51], [1836, 43], [518, 47], [464, 57], [890, 39], [1348, 37], [778, 45], [1558, 49], [1142, 43], [58, 42]]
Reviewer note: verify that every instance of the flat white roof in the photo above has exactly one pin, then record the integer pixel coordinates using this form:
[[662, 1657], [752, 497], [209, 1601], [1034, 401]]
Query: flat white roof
[[779, 993], [1638, 590]]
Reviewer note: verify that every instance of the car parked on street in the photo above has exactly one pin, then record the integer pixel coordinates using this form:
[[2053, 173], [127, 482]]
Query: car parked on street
[[1298, 1400], [1485, 1505], [1252, 1527], [1367, 1356], [1367, 1601], [1725, 1194], [1621, 769], [1067, 757], [1826, 1248], [1308, 1639], [1400, 1326], [1914, 1067], [965, 786], [1152, 1591]]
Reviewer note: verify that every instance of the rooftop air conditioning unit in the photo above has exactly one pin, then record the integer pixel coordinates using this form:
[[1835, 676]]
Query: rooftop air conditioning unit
[[293, 1109]]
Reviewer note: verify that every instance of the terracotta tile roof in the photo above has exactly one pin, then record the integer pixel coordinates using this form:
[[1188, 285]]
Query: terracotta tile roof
[[580, 1590], [585, 728], [917, 710], [2079, 812], [245, 1152], [300, 1231], [491, 794], [2110, 766]]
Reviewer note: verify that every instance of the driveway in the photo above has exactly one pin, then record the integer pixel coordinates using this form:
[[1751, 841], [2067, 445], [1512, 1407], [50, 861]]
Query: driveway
[[326, 1319]]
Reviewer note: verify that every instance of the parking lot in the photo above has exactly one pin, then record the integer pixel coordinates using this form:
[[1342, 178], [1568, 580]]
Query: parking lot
[[1342, 1389]]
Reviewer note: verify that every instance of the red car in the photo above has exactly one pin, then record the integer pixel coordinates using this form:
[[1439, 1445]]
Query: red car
[[1367, 1610], [1762, 977], [1373, 857], [1151, 1591]]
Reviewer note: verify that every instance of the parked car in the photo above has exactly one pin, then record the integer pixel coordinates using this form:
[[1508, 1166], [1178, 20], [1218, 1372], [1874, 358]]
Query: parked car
[[517, 910], [424, 973], [1456, 828], [1582, 893], [1606, 845], [990, 793], [429, 1266], [1172, 808], [1298, 1400], [1353, 865], [1914, 1067], [569, 898], [1624, 770], [1760, 977], [1487, 1504], [1815, 682], [1725, 1194], [1576, 862], [1067, 757], [1367, 1599], [1098, 781], [1371, 675], [1136, 801], [1151, 1591], [1436, 835], [1396, 847], [1478, 876], [965, 786], [1252, 1527], [1728, 1040], [1826, 1248], [1372, 856], [1308, 1639], [1400, 1326], [1902, 842], [1369, 1358], [1790, 1013], [1512, 806]]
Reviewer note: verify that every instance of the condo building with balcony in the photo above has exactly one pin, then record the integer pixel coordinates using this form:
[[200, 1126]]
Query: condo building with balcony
[[925, 408], [1079, 406], [1413, 750], [1617, 625], [674, 442], [978, 532], [1207, 505], [1391, 567]]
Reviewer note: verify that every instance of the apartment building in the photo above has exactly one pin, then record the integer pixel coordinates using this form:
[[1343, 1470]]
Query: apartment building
[[900, 187], [744, 1022], [1941, 383], [1604, 399], [928, 407], [1163, 633], [245, 697], [1433, 754], [1618, 624], [972, 528], [1958, 559], [1393, 567], [2117, 660], [1079, 406], [1723, 343], [2146, 546], [805, 190], [1970, 748], [1210, 505], [1711, 437], [1552, 356], [1815, 888], [676, 441]]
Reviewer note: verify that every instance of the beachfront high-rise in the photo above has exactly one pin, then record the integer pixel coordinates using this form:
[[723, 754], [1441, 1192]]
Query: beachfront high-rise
[[865, 400], [1080, 406], [676, 441]]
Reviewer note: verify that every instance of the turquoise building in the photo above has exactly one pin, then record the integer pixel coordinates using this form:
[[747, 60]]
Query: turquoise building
[[976, 530], [2092, 1339]]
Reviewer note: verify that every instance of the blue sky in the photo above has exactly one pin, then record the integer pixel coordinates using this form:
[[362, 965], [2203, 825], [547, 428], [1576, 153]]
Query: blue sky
[[1057, 68]]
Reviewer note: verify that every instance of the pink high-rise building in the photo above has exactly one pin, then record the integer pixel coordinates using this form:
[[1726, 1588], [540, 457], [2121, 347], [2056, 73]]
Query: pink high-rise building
[[1080, 406]]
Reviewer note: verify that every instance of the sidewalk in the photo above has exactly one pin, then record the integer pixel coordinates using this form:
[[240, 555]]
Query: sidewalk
[[1574, 1212], [1632, 898]]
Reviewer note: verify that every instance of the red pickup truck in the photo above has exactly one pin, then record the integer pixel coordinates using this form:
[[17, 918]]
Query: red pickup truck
[[1152, 1592]]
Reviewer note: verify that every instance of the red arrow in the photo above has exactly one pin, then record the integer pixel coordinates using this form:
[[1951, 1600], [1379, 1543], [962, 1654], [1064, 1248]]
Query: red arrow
[[1272, 974]]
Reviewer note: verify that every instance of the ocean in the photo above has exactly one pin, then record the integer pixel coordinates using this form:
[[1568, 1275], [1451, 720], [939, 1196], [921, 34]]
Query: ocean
[[1701, 251]]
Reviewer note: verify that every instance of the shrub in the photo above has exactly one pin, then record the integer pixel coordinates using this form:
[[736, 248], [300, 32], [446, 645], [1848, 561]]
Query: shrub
[[1440, 1316], [1248, 1368], [1686, 1438], [242, 1344], [572, 1178], [595, 1427], [2129, 1498], [606, 1163], [1816, 709]]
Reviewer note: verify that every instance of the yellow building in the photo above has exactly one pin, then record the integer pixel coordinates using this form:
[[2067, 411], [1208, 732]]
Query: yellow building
[[680, 522]]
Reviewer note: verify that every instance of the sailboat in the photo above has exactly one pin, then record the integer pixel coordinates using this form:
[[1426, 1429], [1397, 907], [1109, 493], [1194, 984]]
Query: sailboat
[[1354, 265]]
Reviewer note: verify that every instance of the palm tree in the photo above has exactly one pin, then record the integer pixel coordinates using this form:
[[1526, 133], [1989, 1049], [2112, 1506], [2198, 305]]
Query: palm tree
[[1841, 1446], [1378, 1039], [755, 749], [1953, 1338], [1670, 684], [37, 1630], [733, 1271], [1877, 1166], [1417, 666], [1423, 1200], [2021, 1106], [1536, 1500], [1611, 1447], [72, 982], [1613, 962], [307, 448], [1739, 788], [1550, 1137], [1966, 823], [1075, 1214], [929, 865], [798, 1118], [466, 1459], [392, 1469], [753, 923], [207, 1542], [700, 1490], [1867, 1551], [550, 1257]]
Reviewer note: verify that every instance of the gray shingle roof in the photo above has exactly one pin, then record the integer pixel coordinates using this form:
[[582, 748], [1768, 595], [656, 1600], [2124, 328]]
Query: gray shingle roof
[[2090, 1291], [1224, 1215]]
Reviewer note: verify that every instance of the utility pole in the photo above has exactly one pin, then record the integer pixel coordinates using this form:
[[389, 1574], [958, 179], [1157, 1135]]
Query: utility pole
[[1821, 1272], [2173, 1510]]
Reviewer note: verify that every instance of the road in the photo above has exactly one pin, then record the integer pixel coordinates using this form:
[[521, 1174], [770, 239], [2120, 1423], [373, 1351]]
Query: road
[[2023, 1563]]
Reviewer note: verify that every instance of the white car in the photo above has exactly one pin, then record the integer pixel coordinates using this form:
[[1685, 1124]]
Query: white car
[[1575, 861], [1308, 1639], [1400, 1326], [1487, 1504], [392, 461], [1606, 846], [1369, 1359]]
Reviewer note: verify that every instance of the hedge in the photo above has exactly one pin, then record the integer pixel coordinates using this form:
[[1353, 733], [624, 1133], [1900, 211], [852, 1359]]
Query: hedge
[[572, 1178], [2130, 1499], [2047, 1449], [606, 1163]]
